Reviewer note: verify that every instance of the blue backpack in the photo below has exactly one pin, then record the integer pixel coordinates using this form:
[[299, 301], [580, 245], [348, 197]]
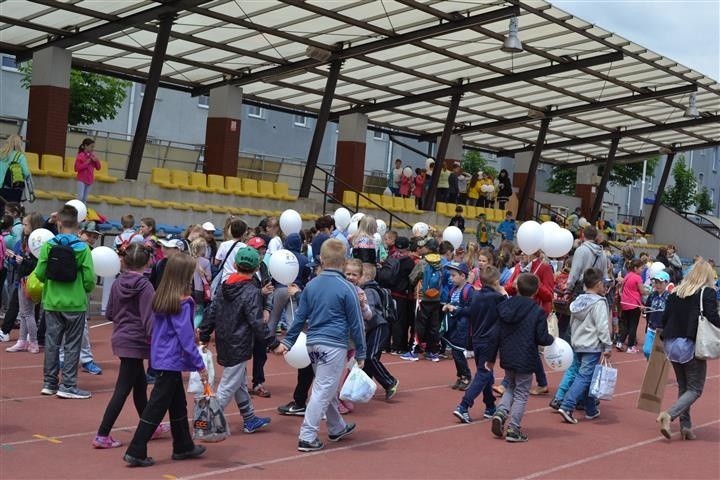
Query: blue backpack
[[431, 282]]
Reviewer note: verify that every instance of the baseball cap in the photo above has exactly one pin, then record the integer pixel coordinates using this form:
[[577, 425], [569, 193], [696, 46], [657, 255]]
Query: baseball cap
[[90, 227], [175, 241], [662, 276], [460, 267], [247, 257], [256, 243], [402, 243], [208, 227]]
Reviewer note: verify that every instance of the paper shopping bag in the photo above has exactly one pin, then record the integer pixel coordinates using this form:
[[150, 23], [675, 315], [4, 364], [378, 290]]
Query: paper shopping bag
[[656, 374]]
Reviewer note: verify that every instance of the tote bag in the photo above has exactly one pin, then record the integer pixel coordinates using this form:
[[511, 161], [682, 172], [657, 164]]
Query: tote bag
[[707, 339]]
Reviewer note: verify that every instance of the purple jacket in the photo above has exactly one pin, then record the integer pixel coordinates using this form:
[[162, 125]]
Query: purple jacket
[[130, 310], [173, 341]]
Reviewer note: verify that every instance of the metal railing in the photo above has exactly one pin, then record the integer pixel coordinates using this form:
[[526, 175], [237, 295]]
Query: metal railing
[[546, 209]]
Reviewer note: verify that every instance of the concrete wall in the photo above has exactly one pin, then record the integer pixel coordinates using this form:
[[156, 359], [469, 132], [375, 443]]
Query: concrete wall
[[554, 199], [690, 239]]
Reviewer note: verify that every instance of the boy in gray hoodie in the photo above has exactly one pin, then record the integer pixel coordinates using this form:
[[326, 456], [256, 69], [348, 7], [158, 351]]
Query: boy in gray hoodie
[[590, 339]]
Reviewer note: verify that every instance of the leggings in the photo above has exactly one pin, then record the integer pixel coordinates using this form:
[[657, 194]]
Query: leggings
[[130, 377], [629, 320]]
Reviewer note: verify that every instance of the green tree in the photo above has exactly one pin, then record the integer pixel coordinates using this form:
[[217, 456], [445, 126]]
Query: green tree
[[681, 196], [703, 202], [474, 162], [562, 180], [625, 174], [93, 97]]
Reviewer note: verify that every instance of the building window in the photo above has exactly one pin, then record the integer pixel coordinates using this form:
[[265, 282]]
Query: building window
[[8, 63], [378, 135], [712, 196], [300, 120], [255, 112], [715, 159], [204, 101]]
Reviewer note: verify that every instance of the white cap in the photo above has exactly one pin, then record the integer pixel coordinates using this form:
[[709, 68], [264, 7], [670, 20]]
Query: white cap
[[208, 227]]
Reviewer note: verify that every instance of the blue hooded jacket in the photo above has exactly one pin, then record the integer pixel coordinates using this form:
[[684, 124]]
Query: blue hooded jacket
[[293, 243]]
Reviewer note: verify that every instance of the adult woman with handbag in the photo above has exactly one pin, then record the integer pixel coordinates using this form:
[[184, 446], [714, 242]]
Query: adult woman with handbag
[[695, 296]]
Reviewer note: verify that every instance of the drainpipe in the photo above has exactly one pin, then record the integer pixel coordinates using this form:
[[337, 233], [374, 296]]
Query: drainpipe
[[642, 188], [131, 112]]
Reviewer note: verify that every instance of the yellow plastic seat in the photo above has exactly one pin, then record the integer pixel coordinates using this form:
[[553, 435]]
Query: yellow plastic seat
[[181, 179], [350, 198], [33, 161], [266, 189], [377, 198], [135, 201], [61, 195], [53, 164], [112, 200], [198, 181], [198, 207], [69, 165], [441, 208], [161, 178], [103, 175], [43, 195], [386, 201], [282, 192], [470, 211], [250, 187], [224, 209], [157, 203], [234, 185], [217, 184], [308, 217], [410, 206], [398, 204], [364, 201], [178, 205]]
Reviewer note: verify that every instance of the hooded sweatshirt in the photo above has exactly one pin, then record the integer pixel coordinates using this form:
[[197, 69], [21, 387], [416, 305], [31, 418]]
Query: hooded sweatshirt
[[588, 255], [293, 243], [590, 324], [130, 310]]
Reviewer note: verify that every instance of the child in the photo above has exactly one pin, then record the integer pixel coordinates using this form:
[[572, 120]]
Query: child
[[483, 317], [377, 331], [172, 351], [330, 307], [484, 232], [522, 328], [201, 278], [655, 307], [418, 183], [129, 309], [458, 220], [630, 305], [65, 301], [590, 339], [85, 165], [457, 311], [236, 317]]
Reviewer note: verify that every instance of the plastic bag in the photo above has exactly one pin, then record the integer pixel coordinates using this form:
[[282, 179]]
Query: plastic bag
[[195, 385], [552, 322], [209, 424], [358, 387], [602, 385]]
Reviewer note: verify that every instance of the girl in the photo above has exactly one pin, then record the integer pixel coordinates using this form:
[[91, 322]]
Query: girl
[[148, 230], [85, 165], [485, 258], [14, 170], [364, 246], [419, 182], [27, 340], [129, 310], [504, 191], [630, 305], [272, 230], [201, 278], [406, 184], [473, 191], [172, 351]]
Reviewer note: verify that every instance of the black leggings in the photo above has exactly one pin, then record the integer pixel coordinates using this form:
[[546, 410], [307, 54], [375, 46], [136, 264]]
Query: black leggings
[[130, 377], [628, 326]]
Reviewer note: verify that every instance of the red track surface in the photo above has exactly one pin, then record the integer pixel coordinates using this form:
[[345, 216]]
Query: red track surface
[[415, 436]]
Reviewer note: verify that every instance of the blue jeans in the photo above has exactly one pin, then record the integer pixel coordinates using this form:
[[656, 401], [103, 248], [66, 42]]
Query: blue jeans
[[581, 384], [568, 379], [482, 382]]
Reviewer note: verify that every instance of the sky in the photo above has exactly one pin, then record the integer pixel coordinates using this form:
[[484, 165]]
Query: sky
[[687, 32]]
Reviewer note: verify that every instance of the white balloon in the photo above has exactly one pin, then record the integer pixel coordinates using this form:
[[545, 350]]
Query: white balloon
[[298, 356], [420, 229], [283, 266], [583, 222], [490, 188], [557, 242], [408, 172], [342, 218], [357, 217], [428, 162], [37, 238], [453, 235], [381, 227], [530, 237], [548, 226], [80, 207], [290, 222], [352, 228], [656, 267], [105, 261], [559, 355]]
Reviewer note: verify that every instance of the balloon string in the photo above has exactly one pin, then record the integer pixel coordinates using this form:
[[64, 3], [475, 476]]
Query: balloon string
[[292, 313]]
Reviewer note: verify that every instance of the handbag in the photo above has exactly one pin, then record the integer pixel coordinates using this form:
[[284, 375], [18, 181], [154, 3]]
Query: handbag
[[209, 423], [602, 385], [707, 339], [552, 323]]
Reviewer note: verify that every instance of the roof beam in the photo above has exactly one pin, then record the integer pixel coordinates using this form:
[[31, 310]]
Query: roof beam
[[487, 83]]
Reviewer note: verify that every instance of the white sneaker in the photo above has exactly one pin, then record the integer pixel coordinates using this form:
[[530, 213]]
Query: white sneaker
[[4, 337]]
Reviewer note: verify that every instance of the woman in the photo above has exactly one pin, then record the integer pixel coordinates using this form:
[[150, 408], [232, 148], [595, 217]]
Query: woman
[[675, 263], [680, 324], [504, 188], [13, 169]]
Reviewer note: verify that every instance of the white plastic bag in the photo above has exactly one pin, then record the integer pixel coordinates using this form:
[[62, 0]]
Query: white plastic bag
[[195, 385], [358, 387], [602, 385]]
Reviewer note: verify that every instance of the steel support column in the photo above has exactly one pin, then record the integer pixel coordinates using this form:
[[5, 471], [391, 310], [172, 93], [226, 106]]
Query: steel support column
[[660, 189], [319, 132], [532, 170], [607, 169], [148, 102], [429, 202]]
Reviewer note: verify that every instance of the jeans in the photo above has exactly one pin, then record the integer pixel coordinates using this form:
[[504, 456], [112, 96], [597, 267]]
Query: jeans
[[515, 398], [83, 191], [234, 384], [375, 339], [85, 349], [168, 394], [581, 383], [462, 369], [328, 364], [567, 379], [482, 382], [427, 326], [691, 380], [59, 325], [131, 377]]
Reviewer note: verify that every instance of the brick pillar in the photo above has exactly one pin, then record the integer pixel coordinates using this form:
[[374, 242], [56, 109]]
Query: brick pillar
[[222, 131], [350, 158], [585, 187], [49, 102], [521, 165]]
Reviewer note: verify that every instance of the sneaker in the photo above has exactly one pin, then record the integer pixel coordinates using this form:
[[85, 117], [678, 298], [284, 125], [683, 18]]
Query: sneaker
[[313, 446], [4, 337], [91, 368], [555, 404], [260, 391], [20, 346], [48, 390], [592, 417], [138, 462], [409, 356], [567, 416], [455, 385], [462, 414], [538, 390], [33, 347], [349, 428], [73, 393], [343, 409], [196, 452], [632, 349], [433, 357], [464, 384], [61, 365], [160, 430], [515, 435], [105, 442], [397, 352], [489, 412], [620, 347], [292, 409], [498, 423], [255, 424], [390, 392]]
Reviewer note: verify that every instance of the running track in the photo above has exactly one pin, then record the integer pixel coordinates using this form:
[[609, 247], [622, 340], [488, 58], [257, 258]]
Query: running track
[[415, 436]]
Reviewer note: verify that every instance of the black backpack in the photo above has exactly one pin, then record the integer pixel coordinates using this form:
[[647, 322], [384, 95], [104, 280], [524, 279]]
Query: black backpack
[[388, 304], [61, 264], [388, 275]]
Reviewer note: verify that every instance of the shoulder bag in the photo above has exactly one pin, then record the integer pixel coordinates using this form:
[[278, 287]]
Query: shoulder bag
[[707, 339]]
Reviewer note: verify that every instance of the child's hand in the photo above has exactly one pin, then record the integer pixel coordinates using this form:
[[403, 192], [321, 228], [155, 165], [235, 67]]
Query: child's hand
[[281, 349], [203, 375], [266, 316], [489, 365], [267, 289], [363, 298], [607, 354], [293, 289], [360, 363]]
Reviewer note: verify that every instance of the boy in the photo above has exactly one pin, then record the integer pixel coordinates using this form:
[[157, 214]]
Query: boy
[[69, 277], [457, 310], [128, 234], [458, 220], [377, 330], [654, 308], [236, 317], [483, 316], [508, 228], [485, 232], [522, 328], [330, 307], [428, 275], [590, 340]]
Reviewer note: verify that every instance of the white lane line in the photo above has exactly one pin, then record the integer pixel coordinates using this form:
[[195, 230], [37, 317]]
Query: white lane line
[[101, 324]]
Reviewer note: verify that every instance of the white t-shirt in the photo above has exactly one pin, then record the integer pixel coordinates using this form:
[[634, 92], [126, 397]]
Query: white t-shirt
[[397, 176], [224, 251], [274, 245]]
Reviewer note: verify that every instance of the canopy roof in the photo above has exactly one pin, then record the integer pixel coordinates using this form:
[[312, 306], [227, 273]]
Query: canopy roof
[[402, 60]]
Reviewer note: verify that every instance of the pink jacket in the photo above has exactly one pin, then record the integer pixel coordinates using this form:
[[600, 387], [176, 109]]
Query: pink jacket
[[85, 166], [405, 186]]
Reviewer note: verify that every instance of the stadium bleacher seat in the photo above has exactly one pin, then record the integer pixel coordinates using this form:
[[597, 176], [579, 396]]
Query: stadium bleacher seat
[[234, 185], [103, 175], [161, 178], [217, 184], [267, 189], [410, 206], [282, 192], [53, 165], [33, 161], [350, 198], [398, 205], [198, 181], [181, 179], [250, 187]]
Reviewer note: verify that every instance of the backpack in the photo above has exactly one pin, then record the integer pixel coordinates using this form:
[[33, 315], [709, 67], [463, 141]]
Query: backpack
[[431, 282], [61, 264], [14, 177], [561, 298], [389, 306], [125, 243], [388, 275]]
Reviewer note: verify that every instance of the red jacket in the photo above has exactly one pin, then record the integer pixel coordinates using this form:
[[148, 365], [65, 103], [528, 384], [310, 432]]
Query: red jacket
[[544, 272]]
